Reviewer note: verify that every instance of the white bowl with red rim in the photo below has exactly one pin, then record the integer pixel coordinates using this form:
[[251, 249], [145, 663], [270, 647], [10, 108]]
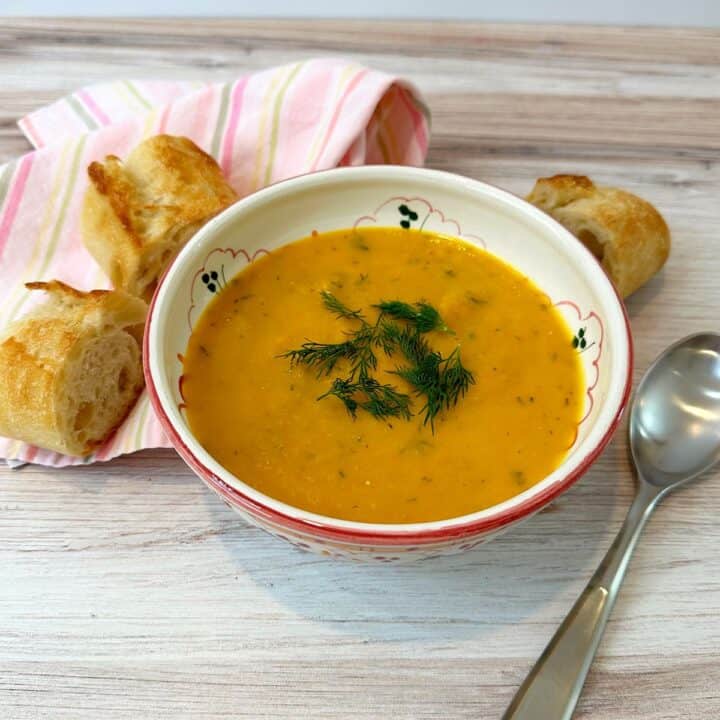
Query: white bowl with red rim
[[419, 198]]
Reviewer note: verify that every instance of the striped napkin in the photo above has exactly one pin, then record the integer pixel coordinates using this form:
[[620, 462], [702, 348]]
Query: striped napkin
[[261, 128]]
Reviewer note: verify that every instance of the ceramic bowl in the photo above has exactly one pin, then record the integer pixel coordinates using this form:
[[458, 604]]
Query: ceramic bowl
[[481, 214]]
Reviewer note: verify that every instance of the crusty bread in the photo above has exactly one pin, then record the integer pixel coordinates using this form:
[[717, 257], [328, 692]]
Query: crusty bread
[[137, 215], [626, 233], [71, 369]]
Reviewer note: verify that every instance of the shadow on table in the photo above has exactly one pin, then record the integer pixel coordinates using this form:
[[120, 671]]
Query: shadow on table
[[482, 591]]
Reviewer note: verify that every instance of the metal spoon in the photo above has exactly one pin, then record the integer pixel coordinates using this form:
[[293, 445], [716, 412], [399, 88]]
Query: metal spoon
[[674, 437]]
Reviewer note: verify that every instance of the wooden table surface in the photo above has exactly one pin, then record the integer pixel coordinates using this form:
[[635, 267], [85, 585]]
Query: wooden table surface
[[127, 590]]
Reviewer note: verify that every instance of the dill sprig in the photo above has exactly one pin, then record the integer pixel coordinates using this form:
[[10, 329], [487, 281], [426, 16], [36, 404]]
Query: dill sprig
[[442, 381], [366, 393], [339, 308], [364, 360], [386, 335], [456, 378], [358, 350], [322, 356], [422, 316], [408, 341]]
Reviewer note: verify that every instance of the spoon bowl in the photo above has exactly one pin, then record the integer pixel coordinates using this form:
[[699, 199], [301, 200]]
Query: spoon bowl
[[675, 418]]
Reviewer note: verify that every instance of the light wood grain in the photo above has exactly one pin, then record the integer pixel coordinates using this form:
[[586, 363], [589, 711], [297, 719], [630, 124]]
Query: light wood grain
[[128, 591]]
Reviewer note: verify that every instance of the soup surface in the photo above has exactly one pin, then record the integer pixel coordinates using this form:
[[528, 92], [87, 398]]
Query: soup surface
[[259, 415]]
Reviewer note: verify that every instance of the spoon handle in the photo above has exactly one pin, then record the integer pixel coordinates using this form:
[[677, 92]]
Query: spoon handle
[[552, 689]]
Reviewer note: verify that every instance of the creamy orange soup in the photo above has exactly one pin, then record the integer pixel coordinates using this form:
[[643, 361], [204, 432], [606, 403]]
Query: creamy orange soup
[[260, 416]]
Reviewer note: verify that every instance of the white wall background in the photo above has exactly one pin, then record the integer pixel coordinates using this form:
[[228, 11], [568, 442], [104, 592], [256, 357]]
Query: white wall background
[[629, 12]]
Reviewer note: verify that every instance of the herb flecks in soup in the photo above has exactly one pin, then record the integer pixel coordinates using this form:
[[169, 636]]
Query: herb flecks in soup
[[260, 417], [441, 381]]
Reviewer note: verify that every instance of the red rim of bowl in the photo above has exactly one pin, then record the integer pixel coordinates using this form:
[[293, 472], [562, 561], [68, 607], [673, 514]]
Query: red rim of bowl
[[326, 529]]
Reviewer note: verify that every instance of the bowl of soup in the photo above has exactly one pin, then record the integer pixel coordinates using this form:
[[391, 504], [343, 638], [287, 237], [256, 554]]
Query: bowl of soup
[[385, 362]]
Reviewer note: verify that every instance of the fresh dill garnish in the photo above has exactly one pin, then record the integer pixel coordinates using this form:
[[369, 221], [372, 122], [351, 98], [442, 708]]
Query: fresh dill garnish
[[422, 316], [386, 335], [425, 378], [338, 308], [381, 401], [409, 342], [456, 378], [322, 356], [442, 381], [364, 359]]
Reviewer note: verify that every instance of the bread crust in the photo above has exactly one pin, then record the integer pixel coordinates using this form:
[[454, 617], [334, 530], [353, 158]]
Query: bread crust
[[40, 354], [626, 233], [138, 215]]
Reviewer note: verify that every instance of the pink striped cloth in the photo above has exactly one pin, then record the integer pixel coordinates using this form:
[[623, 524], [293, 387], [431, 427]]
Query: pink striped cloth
[[264, 127]]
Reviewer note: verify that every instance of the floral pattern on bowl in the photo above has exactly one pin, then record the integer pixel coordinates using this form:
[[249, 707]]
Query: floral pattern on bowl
[[588, 342], [416, 213], [219, 267]]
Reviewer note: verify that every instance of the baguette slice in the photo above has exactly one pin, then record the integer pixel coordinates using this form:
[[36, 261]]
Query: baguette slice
[[71, 370], [139, 214], [626, 233]]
